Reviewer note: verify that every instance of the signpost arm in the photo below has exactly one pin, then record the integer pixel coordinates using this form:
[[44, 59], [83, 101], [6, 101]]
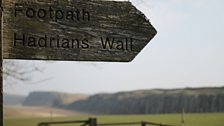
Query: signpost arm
[[1, 74], [102, 30]]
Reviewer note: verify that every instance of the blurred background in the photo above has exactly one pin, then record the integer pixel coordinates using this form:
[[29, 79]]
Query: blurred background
[[180, 70]]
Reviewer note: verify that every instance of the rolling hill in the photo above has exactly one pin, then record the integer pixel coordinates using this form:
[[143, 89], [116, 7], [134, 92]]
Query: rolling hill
[[51, 99], [192, 100], [13, 99]]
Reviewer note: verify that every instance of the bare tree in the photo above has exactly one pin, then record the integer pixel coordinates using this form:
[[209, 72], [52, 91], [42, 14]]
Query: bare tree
[[14, 71]]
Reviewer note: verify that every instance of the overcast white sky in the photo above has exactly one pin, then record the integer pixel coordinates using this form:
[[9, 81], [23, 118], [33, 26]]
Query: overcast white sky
[[187, 52]]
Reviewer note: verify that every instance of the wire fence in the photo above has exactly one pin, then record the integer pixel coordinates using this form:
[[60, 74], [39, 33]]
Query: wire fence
[[93, 122]]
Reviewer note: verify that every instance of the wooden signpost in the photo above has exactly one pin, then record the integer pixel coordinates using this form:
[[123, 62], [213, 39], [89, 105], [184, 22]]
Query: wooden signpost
[[72, 30], [1, 74]]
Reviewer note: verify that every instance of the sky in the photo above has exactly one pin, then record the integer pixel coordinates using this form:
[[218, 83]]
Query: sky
[[187, 52]]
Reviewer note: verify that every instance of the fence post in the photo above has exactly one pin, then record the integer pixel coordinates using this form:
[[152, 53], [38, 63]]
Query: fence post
[[182, 116], [92, 122], [44, 125], [1, 73], [143, 123]]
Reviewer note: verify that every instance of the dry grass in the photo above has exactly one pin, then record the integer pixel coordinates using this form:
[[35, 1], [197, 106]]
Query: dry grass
[[19, 111]]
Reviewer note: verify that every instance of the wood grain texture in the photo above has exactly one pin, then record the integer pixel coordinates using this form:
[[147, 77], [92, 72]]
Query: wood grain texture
[[112, 19], [1, 71]]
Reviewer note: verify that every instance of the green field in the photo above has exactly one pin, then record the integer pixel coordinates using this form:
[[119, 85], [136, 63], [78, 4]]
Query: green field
[[214, 119]]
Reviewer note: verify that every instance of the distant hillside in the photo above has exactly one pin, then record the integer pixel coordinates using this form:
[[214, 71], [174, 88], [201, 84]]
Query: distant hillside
[[12, 99], [154, 101], [51, 99]]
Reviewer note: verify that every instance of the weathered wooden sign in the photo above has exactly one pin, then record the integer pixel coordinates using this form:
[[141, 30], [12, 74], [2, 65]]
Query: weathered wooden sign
[[77, 30]]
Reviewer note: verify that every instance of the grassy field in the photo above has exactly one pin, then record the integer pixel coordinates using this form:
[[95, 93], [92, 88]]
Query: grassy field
[[212, 119]]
